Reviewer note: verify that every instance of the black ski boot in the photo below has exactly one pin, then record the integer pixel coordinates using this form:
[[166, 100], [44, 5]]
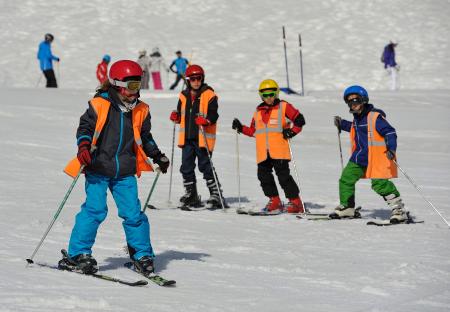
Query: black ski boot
[[214, 196], [144, 265], [191, 198], [82, 263]]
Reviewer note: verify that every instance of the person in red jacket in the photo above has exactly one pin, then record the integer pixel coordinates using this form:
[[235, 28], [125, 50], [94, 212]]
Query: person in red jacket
[[102, 69], [271, 128]]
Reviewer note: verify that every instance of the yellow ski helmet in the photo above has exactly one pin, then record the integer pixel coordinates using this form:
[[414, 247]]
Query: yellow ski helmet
[[268, 85]]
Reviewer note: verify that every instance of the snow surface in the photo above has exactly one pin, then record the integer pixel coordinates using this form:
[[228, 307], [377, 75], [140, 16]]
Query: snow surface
[[224, 261]]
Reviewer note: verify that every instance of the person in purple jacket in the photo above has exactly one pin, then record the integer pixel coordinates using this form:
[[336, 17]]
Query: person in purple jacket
[[46, 59], [388, 58]]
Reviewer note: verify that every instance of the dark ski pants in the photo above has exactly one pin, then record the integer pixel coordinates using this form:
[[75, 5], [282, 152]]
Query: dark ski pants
[[51, 79], [285, 179], [189, 152], [177, 80], [351, 174]]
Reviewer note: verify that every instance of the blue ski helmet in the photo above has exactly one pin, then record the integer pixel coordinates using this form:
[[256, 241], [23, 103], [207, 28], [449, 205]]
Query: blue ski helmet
[[107, 58], [357, 90]]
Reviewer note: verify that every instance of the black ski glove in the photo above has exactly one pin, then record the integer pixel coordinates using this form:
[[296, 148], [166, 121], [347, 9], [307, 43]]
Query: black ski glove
[[337, 122], [390, 154], [162, 161], [237, 125], [289, 133]]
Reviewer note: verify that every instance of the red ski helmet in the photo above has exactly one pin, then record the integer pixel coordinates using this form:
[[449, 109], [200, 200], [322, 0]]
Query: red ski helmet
[[125, 76], [124, 70], [195, 70]]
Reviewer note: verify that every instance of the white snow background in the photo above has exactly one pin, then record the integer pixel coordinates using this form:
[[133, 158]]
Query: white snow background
[[224, 261]]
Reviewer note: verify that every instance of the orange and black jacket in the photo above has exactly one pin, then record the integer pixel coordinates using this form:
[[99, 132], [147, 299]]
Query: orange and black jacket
[[115, 155], [192, 109]]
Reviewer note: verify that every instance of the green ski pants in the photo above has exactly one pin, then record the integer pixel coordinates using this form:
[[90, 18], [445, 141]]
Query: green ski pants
[[350, 175]]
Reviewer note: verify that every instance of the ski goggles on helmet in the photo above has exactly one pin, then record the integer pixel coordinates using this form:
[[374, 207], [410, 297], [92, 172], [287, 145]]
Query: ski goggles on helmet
[[195, 78], [132, 85]]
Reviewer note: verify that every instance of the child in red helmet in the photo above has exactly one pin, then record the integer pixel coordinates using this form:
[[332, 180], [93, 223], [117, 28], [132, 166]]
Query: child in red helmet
[[114, 144], [197, 114]]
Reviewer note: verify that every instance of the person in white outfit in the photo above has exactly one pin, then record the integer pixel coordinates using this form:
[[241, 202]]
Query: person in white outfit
[[144, 61], [156, 62]]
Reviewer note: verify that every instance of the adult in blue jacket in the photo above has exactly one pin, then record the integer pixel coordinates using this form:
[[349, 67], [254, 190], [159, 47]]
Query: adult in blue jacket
[[46, 59], [390, 64], [180, 64]]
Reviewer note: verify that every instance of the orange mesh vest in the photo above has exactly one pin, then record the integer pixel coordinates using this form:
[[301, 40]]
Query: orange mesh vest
[[138, 114], [210, 131], [379, 166], [269, 137]]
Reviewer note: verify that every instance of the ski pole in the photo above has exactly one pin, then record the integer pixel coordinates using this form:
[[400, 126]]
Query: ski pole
[[158, 172], [30, 260], [285, 58], [171, 162], [39, 81], [296, 174], [59, 73], [238, 169], [301, 62], [212, 167], [420, 192], [340, 148]]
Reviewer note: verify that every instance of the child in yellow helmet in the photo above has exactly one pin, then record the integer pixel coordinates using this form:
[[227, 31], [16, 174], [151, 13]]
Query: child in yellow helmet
[[272, 130]]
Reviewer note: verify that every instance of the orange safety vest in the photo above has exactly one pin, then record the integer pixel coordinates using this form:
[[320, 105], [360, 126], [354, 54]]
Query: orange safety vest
[[210, 131], [269, 137], [379, 166], [138, 115]]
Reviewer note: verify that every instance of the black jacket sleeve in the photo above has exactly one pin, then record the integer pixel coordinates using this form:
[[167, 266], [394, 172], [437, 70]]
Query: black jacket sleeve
[[213, 113], [149, 145], [86, 128], [179, 107]]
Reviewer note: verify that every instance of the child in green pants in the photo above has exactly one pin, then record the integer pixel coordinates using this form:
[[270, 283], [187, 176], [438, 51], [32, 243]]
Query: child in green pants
[[374, 144]]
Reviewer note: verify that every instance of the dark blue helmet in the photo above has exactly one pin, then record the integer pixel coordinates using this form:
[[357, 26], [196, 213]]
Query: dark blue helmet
[[107, 58], [359, 91]]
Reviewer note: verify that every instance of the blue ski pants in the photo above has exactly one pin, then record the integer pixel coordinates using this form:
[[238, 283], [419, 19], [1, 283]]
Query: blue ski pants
[[94, 210]]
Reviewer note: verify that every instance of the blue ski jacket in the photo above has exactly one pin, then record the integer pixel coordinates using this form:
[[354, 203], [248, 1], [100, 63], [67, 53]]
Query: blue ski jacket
[[180, 64], [45, 56], [361, 153]]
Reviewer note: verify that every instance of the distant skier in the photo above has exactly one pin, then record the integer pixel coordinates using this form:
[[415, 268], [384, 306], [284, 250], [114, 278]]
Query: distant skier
[[272, 130], [46, 59], [374, 145], [180, 64], [197, 107], [388, 58], [102, 69], [156, 62], [144, 61], [114, 143]]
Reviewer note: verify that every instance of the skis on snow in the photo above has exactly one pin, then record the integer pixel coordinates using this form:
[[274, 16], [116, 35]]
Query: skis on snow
[[409, 220], [96, 275], [331, 216], [155, 278]]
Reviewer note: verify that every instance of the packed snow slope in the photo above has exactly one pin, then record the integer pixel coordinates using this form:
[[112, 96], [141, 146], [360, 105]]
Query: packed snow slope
[[238, 42], [224, 261]]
